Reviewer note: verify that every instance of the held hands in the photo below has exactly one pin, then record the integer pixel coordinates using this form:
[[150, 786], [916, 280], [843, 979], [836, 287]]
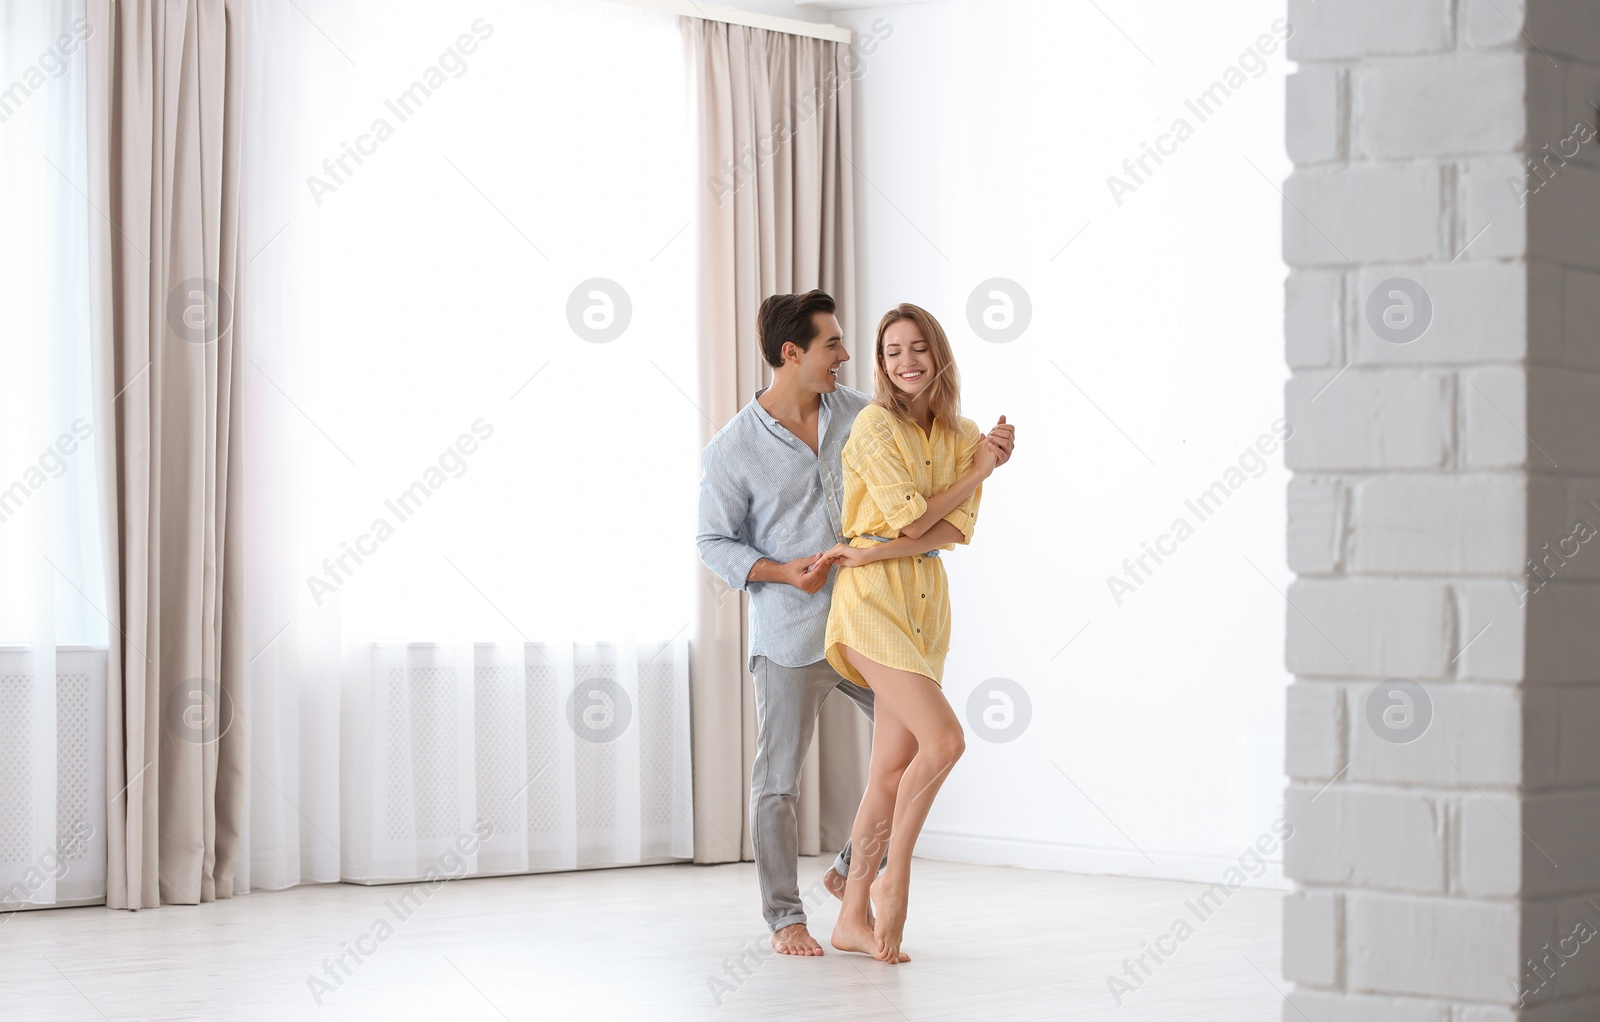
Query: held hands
[[986, 459], [799, 574], [842, 554], [995, 449], [810, 574]]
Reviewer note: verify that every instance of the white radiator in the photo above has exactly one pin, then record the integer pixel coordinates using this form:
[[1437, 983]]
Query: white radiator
[[565, 756], [64, 765]]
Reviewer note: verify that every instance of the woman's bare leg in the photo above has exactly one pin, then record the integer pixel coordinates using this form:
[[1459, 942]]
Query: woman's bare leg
[[917, 704], [892, 750]]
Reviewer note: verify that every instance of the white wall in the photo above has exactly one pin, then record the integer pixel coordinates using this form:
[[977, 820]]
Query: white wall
[[984, 138]]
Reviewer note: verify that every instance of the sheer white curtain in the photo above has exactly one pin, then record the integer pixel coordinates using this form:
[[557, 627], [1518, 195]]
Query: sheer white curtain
[[470, 331], [52, 632]]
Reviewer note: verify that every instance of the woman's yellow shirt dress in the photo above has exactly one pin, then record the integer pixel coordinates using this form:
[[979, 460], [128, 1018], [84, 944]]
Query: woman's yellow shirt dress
[[896, 612]]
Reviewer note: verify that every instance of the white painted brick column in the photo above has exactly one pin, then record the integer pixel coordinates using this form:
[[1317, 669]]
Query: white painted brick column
[[1442, 326]]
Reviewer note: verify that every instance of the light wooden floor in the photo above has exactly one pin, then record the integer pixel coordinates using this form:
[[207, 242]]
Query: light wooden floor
[[640, 944]]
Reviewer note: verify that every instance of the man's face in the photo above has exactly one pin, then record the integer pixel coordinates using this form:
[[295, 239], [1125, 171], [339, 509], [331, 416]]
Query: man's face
[[819, 365]]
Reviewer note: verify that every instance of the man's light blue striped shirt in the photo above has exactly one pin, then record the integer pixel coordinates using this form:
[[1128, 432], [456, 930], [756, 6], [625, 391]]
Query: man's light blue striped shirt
[[763, 493]]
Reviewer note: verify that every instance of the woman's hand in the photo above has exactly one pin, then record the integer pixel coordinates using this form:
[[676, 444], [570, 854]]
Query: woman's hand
[[1003, 437], [842, 554], [986, 458]]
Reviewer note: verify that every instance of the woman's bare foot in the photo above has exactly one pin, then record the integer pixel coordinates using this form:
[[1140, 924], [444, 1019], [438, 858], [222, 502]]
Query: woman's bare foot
[[854, 935], [850, 935], [890, 893], [795, 939], [836, 885]]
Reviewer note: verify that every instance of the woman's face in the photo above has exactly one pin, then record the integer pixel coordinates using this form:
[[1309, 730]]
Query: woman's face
[[907, 358]]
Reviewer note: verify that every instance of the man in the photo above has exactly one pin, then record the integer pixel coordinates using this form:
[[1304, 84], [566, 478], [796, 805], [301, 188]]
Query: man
[[771, 491]]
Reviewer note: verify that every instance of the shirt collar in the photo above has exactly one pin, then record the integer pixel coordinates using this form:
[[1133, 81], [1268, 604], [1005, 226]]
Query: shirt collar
[[824, 416]]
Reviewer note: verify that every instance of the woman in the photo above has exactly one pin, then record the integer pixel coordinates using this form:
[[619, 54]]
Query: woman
[[913, 476]]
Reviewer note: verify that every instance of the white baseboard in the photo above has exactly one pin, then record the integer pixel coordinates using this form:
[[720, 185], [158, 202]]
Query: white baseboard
[[1068, 858], [390, 881]]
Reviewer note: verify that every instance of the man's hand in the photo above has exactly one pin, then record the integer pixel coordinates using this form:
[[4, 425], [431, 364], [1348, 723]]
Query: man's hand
[[790, 573], [1003, 439], [800, 578]]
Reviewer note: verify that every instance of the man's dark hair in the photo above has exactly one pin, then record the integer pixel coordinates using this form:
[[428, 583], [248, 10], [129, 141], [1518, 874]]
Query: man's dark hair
[[790, 318]]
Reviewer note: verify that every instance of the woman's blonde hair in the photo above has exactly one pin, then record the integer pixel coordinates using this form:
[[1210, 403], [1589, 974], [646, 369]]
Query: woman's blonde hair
[[944, 396]]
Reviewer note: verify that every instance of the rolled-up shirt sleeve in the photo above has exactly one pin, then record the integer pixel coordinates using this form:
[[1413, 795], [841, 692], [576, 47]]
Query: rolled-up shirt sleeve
[[724, 507], [965, 515], [873, 454]]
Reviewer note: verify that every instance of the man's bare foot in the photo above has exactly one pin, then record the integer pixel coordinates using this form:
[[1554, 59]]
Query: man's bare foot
[[890, 893], [795, 939], [834, 883]]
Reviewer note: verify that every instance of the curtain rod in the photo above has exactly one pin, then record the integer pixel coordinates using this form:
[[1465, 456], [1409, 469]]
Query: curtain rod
[[772, 23]]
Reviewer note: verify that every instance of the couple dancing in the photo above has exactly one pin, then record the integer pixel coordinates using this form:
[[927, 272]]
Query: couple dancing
[[897, 476]]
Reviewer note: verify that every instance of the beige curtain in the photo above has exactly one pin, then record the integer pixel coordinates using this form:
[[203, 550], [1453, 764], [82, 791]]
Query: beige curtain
[[163, 182], [776, 215]]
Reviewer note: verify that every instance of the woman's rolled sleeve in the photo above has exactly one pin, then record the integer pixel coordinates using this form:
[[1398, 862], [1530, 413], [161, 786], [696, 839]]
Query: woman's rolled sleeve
[[964, 518], [878, 460], [965, 515]]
